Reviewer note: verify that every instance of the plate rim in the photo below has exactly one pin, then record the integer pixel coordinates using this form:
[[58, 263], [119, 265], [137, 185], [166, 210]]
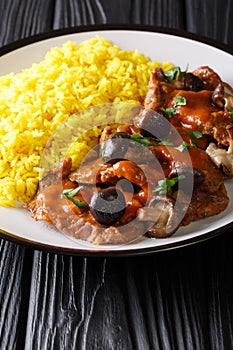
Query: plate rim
[[121, 27], [47, 248], [27, 243]]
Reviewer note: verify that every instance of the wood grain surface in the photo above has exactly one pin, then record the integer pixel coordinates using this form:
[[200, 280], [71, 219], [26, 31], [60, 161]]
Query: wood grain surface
[[179, 299]]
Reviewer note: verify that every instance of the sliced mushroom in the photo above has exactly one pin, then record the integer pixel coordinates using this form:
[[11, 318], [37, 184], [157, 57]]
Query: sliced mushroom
[[162, 216], [218, 96], [153, 124], [160, 74], [228, 96], [192, 82], [208, 76], [222, 158], [115, 147], [223, 96]]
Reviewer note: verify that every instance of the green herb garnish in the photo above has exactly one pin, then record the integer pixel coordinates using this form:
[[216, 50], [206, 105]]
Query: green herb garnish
[[169, 111], [174, 73], [165, 184], [145, 141], [165, 143], [195, 134], [193, 144], [231, 113], [179, 100], [70, 193], [184, 146]]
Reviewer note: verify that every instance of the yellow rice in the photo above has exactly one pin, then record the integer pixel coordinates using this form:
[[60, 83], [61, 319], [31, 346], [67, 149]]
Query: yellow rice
[[34, 102]]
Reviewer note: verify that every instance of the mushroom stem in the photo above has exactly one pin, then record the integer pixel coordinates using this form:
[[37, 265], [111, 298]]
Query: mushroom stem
[[223, 96], [161, 215], [228, 96], [222, 158]]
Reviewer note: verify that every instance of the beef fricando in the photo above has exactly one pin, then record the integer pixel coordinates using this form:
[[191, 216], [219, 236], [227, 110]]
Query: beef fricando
[[164, 169]]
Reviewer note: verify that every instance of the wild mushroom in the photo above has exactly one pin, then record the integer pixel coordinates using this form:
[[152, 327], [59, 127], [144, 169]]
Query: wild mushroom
[[161, 216], [223, 96], [228, 96], [221, 157], [208, 76], [192, 82], [153, 124]]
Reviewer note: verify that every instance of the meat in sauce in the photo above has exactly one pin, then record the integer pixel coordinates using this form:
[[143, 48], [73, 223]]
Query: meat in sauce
[[144, 181]]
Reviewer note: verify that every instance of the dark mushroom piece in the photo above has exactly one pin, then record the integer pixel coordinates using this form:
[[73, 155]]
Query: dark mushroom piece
[[153, 124], [222, 96], [208, 76], [115, 147], [228, 96], [193, 176], [160, 74], [162, 217], [192, 82]]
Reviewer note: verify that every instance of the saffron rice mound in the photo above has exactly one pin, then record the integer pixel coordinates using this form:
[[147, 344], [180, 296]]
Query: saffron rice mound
[[36, 101]]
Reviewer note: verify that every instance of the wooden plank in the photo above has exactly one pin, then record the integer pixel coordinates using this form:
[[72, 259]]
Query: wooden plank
[[212, 19], [175, 300], [15, 272], [20, 19], [166, 13], [178, 299]]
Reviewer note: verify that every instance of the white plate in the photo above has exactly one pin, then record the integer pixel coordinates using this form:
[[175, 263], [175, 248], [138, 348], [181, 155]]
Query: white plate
[[16, 224]]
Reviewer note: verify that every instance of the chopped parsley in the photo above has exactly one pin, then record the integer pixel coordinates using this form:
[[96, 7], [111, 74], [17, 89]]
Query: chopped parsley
[[177, 101], [193, 144], [169, 111], [184, 146], [195, 134], [231, 113], [145, 141], [165, 184], [165, 143], [70, 193], [174, 73]]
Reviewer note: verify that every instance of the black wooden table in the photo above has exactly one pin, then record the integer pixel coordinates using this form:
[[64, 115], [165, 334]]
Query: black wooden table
[[178, 299]]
